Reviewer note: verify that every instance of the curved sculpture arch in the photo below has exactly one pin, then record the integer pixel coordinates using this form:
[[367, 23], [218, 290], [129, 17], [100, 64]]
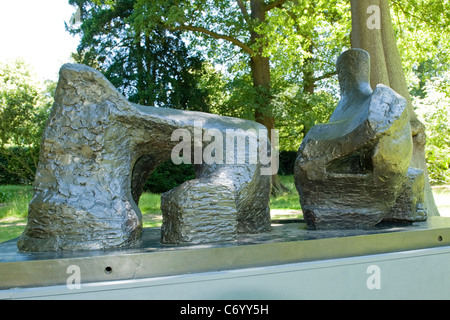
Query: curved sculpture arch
[[97, 151]]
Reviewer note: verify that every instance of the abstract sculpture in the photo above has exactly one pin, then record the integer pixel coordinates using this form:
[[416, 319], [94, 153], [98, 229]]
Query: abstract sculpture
[[353, 172], [98, 150]]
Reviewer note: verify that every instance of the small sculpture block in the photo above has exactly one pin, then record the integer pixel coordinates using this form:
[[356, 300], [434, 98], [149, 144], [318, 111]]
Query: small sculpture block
[[353, 172], [97, 152]]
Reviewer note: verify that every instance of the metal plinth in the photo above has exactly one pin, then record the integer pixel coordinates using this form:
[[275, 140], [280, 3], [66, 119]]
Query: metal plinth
[[287, 243]]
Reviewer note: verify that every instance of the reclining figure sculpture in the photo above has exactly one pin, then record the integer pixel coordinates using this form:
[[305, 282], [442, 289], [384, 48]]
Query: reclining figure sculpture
[[353, 172], [97, 151]]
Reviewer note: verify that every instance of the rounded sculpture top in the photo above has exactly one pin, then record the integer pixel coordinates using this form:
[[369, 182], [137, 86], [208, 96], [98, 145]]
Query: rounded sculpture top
[[353, 68]]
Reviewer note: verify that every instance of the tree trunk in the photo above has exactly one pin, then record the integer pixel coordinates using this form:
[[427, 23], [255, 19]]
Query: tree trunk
[[260, 68], [372, 30], [309, 83]]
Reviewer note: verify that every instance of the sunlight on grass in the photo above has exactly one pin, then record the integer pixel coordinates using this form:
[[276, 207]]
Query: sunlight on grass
[[150, 205], [11, 228], [13, 210], [442, 199], [17, 199], [288, 200]]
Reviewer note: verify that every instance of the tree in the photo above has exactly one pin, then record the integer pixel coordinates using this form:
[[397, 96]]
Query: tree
[[372, 30], [279, 55], [241, 23], [306, 87], [24, 108], [150, 67], [422, 30], [255, 31]]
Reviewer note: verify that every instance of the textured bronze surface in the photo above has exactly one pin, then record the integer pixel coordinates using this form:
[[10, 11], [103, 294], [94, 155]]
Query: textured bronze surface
[[98, 150], [354, 171]]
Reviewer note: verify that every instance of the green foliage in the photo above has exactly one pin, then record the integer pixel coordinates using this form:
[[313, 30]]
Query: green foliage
[[150, 203], [4, 197], [18, 165], [16, 201], [288, 200], [237, 97], [424, 43], [168, 176], [23, 106], [301, 38], [24, 109], [434, 112], [287, 162], [423, 39], [308, 36], [13, 211], [153, 51], [149, 66], [297, 112]]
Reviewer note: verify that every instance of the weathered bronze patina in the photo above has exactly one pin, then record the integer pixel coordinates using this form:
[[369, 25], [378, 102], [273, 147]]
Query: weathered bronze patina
[[98, 150], [353, 172]]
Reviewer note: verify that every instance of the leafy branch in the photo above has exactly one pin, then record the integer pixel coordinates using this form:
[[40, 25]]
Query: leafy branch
[[216, 35]]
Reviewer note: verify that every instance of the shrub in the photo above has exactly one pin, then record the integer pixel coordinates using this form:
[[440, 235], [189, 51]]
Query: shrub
[[4, 196], [168, 176], [287, 162], [17, 165], [24, 108]]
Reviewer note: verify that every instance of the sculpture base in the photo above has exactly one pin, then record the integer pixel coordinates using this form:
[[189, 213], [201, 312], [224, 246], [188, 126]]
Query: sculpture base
[[288, 242]]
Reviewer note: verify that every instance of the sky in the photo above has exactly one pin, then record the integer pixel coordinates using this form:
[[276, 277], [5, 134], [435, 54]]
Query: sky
[[34, 30]]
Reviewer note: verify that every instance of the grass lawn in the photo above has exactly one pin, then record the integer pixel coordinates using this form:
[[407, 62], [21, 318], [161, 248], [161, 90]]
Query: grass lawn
[[149, 204], [14, 207], [13, 210], [286, 205]]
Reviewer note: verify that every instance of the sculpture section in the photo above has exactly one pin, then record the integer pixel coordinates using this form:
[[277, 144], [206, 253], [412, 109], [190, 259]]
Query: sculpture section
[[353, 172], [98, 149]]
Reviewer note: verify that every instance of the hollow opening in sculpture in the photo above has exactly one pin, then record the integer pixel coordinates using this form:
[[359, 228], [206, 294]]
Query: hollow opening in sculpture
[[358, 162], [157, 177]]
